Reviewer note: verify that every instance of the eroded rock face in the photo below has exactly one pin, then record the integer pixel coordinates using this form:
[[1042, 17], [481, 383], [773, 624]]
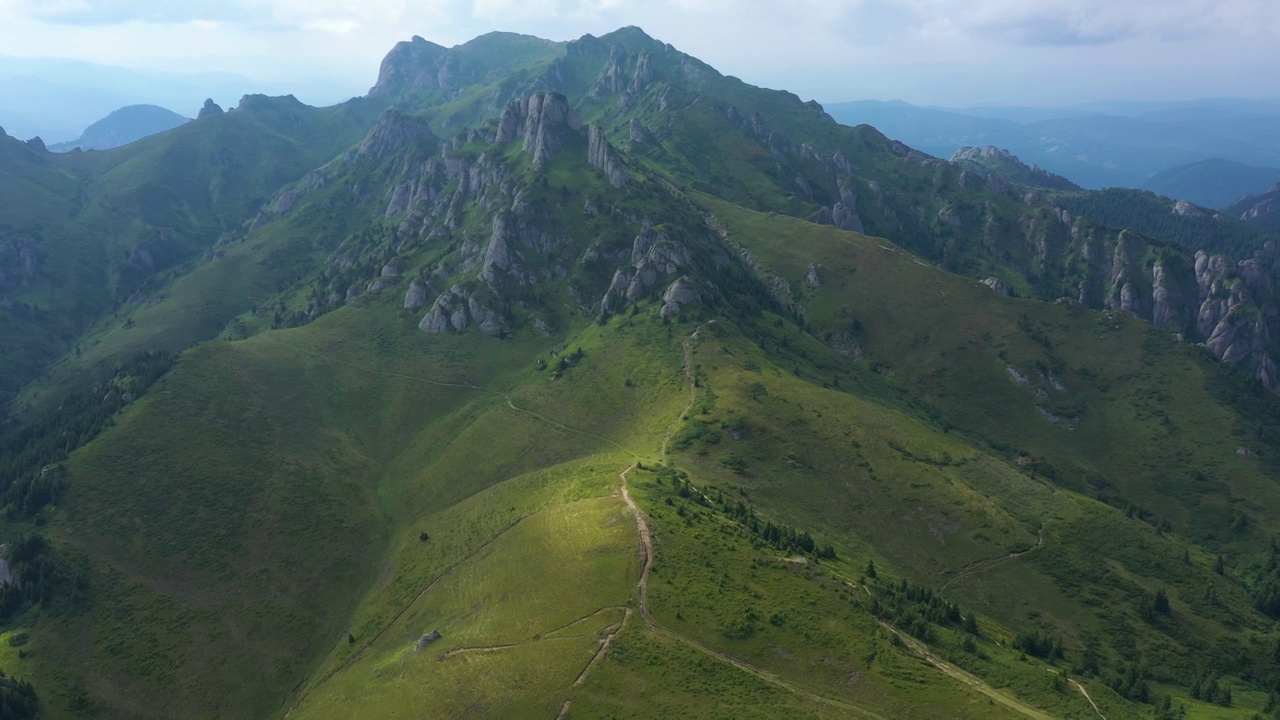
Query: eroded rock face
[[543, 120], [678, 296], [412, 65], [654, 254], [210, 108], [602, 156], [417, 294], [457, 309]]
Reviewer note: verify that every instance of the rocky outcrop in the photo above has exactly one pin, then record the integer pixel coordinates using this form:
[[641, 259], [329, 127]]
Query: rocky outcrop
[[999, 167], [996, 285], [613, 77], [637, 133], [393, 134], [602, 156], [417, 294], [1238, 316], [458, 309], [209, 108], [543, 121], [412, 65], [20, 262], [679, 295], [643, 75], [1182, 208], [844, 213], [37, 144], [654, 254]]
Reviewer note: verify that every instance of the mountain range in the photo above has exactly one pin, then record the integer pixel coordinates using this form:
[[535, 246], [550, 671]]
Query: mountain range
[[1208, 152], [577, 379]]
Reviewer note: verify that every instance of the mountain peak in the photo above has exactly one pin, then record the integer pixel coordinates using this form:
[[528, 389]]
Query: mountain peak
[[998, 164], [406, 66]]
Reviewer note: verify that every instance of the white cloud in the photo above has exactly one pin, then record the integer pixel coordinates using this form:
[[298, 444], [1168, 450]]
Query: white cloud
[[830, 49]]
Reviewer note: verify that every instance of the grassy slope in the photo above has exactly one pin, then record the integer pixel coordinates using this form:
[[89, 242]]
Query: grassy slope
[[1095, 562], [177, 194]]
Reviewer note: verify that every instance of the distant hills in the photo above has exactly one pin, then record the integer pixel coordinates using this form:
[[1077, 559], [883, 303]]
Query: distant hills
[[1260, 210], [56, 98], [1214, 183], [126, 125], [1102, 145]]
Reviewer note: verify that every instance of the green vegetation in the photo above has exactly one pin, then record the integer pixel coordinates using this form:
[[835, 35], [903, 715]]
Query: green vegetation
[[420, 424]]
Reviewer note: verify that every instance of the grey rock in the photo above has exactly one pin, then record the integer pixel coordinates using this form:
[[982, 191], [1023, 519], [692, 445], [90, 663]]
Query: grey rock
[[601, 155], [643, 75], [813, 278], [209, 108], [426, 640], [543, 121], [997, 285], [843, 217], [416, 296], [1186, 209]]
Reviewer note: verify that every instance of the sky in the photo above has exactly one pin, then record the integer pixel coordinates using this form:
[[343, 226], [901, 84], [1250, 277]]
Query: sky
[[939, 52]]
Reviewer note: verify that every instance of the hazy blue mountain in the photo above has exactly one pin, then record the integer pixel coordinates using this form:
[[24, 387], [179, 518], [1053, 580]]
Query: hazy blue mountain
[[123, 126], [1117, 144], [57, 98], [1259, 210], [1212, 183]]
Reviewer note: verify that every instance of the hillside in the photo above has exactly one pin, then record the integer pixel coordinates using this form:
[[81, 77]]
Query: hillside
[[1262, 211], [123, 126], [580, 380], [1212, 183], [1101, 146]]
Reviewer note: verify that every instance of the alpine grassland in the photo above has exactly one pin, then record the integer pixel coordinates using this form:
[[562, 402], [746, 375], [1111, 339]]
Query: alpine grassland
[[575, 380]]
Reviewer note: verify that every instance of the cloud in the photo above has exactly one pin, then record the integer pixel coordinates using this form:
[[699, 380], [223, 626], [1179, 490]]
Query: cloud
[[1094, 22]]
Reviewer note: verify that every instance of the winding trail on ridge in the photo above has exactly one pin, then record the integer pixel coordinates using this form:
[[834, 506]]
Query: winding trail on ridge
[[985, 565], [646, 539]]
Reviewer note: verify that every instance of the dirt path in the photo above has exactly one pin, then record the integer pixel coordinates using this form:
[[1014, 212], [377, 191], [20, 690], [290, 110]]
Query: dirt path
[[985, 565], [604, 648], [965, 677], [1085, 693], [646, 539], [693, 387]]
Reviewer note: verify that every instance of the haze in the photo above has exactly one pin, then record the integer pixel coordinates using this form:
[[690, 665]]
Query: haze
[[931, 52]]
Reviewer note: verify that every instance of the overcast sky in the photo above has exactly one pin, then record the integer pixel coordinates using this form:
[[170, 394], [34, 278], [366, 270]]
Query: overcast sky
[[949, 52]]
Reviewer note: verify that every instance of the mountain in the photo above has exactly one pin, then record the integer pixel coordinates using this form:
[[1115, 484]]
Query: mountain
[[1110, 145], [579, 379], [1212, 183], [123, 126], [1260, 210], [1003, 165], [57, 98]]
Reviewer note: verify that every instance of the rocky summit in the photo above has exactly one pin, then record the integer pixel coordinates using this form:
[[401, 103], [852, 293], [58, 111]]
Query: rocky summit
[[577, 379]]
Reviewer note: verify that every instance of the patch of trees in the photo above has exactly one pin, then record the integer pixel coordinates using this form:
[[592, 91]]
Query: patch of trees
[[1151, 215], [17, 699], [916, 609], [1040, 644], [1208, 688], [37, 577], [779, 536], [1266, 585], [1132, 684], [30, 476], [1152, 607]]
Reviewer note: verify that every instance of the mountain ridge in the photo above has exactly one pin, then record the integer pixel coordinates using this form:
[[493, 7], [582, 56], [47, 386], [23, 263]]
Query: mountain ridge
[[412, 368]]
